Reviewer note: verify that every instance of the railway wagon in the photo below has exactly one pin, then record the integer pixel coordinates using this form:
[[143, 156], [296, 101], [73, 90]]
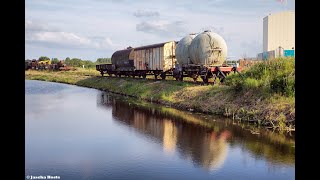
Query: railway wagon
[[155, 59], [202, 55], [121, 64]]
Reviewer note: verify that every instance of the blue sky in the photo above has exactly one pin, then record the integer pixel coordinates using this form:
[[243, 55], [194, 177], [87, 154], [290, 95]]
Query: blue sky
[[89, 29]]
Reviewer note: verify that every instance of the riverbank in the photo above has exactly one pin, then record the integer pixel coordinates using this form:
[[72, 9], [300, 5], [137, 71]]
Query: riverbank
[[266, 109]]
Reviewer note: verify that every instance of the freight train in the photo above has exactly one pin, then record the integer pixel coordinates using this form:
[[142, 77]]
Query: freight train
[[194, 56]]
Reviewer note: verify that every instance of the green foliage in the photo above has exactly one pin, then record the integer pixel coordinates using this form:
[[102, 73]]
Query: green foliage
[[54, 60], [88, 64], [103, 61], [275, 76], [76, 62], [43, 58], [251, 83]]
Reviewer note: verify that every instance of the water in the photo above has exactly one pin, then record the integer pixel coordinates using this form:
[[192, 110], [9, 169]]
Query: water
[[81, 133]]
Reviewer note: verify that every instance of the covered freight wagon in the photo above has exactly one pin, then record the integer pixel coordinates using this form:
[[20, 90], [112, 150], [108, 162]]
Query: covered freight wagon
[[155, 58]]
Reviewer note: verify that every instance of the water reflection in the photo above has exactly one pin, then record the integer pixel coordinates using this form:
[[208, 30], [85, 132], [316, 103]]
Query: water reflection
[[203, 141], [205, 146], [82, 133]]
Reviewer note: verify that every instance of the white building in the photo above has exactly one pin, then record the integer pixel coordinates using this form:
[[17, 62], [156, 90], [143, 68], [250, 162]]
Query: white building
[[279, 31]]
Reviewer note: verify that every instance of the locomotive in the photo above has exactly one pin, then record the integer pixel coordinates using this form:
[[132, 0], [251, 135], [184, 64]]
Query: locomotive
[[193, 56]]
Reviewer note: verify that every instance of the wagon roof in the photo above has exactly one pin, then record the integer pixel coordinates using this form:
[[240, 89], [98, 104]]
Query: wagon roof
[[125, 52], [151, 46]]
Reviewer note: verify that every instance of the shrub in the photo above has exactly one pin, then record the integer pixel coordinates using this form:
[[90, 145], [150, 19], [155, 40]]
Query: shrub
[[275, 76]]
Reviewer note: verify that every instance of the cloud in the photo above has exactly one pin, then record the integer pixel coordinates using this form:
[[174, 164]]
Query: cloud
[[44, 35], [31, 26], [142, 13], [170, 29]]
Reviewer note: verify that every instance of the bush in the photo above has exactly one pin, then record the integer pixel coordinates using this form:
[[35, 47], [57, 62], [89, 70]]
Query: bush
[[251, 83], [275, 76]]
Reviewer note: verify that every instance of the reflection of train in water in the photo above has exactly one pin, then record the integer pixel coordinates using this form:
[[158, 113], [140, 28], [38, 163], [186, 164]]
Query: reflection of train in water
[[204, 146], [204, 142], [193, 56]]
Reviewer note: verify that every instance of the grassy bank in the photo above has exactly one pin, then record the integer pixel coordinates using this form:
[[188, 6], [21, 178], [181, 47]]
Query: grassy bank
[[260, 95]]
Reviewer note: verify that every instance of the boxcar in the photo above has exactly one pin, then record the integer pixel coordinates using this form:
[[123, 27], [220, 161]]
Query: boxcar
[[155, 59]]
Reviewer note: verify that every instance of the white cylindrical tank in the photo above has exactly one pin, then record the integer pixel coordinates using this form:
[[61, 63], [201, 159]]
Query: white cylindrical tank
[[208, 48], [182, 49]]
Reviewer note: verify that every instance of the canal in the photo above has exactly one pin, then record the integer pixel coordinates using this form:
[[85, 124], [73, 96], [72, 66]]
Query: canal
[[82, 133]]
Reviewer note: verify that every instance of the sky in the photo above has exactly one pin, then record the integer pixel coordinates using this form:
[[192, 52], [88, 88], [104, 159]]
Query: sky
[[91, 29]]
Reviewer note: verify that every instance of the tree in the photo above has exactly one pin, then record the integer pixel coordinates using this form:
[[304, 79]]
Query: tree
[[103, 60], [67, 61], [43, 58], [54, 60], [88, 64]]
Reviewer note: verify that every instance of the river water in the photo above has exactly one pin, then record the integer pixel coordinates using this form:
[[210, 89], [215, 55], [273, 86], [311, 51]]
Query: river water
[[81, 133]]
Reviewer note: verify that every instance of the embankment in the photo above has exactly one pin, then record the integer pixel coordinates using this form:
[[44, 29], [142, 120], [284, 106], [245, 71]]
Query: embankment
[[251, 102]]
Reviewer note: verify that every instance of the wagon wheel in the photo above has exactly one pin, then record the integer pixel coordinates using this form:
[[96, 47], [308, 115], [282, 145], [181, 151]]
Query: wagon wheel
[[144, 76], [179, 77], [205, 79], [195, 77], [163, 75], [118, 74]]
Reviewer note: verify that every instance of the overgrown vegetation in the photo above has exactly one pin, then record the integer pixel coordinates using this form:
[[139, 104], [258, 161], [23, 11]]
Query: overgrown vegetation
[[273, 76]]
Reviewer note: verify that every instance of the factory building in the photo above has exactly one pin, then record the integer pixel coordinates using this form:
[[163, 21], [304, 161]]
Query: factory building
[[278, 35]]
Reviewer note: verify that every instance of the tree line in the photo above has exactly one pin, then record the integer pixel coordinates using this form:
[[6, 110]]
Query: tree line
[[77, 62]]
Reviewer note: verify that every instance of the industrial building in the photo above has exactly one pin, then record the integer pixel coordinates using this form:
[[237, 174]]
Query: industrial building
[[278, 35]]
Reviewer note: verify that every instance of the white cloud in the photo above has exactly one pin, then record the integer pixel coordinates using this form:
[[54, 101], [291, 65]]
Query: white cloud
[[43, 34], [143, 13], [163, 28]]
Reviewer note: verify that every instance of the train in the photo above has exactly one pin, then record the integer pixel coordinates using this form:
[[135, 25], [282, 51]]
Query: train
[[194, 56]]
